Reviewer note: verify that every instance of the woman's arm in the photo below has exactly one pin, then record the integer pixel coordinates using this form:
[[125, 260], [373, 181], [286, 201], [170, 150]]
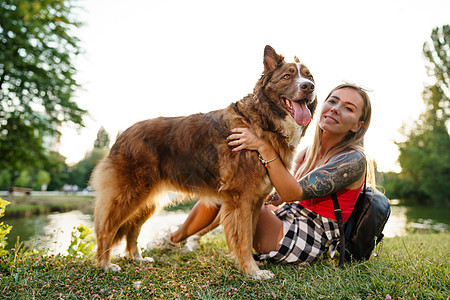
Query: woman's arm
[[342, 171]]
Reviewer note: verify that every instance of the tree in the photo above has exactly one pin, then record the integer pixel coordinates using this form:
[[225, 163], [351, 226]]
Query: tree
[[81, 172], [424, 155], [102, 141], [5, 179], [37, 83], [57, 168], [438, 55], [24, 179], [42, 179]]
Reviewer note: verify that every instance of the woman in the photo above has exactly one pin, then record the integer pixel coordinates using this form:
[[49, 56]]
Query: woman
[[335, 163]]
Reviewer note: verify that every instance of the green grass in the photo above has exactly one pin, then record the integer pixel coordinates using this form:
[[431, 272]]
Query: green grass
[[411, 267]]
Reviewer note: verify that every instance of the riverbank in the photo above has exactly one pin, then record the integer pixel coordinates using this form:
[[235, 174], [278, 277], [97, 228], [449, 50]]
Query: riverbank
[[410, 267], [41, 203], [44, 203]]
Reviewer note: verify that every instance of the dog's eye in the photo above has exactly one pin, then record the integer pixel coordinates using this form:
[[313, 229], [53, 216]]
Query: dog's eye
[[287, 76], [310, 76]]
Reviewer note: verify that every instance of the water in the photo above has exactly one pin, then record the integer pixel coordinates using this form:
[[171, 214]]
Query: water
[[53, 231]]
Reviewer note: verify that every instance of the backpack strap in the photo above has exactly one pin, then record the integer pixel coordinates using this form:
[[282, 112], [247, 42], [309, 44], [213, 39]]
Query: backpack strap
[[338, 214]]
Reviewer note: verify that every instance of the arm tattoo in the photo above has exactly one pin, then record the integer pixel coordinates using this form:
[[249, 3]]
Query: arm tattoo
[[343, 169]]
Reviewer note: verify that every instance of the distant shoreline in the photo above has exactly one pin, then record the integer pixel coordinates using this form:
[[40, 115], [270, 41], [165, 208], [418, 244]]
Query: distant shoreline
[[39, 203]]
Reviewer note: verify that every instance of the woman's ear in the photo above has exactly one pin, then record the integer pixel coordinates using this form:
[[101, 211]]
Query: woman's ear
[[357, 127]]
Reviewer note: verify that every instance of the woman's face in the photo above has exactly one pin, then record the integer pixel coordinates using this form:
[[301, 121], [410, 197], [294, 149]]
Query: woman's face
[[341, 112]]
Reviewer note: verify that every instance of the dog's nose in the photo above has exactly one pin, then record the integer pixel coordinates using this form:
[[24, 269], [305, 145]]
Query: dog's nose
[[307, 87]]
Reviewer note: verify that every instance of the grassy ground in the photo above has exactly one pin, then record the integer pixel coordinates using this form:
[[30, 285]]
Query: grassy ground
[[411, 267]]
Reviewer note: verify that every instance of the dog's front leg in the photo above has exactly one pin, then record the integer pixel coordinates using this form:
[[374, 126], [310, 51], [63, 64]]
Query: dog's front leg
[[237, 222]]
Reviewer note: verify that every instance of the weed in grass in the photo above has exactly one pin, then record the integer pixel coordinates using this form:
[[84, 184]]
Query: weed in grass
[[81, 242], [4, 229]]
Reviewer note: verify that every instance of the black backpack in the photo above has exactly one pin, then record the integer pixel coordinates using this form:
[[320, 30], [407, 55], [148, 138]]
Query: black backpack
[[363, 230]]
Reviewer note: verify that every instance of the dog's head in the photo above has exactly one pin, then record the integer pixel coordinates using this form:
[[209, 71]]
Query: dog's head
[[289, 86]]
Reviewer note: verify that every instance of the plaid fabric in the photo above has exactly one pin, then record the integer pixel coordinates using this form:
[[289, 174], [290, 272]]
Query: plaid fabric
[[306, 235]]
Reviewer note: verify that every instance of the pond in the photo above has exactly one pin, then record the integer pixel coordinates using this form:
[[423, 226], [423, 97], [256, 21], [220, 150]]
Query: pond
[[53, 231]]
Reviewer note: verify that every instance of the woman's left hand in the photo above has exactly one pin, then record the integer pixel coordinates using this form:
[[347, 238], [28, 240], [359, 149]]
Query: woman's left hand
[[244, 138]]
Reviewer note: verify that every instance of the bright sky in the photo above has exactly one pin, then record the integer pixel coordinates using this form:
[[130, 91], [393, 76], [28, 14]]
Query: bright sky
[[146, 59]]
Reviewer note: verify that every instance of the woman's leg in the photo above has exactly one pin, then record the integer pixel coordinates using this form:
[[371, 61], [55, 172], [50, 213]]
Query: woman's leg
[[213, 225], [269, 232], [200, 217]]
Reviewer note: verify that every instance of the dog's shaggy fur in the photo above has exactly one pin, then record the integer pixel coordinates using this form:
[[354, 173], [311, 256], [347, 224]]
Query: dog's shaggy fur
[[191, 155]]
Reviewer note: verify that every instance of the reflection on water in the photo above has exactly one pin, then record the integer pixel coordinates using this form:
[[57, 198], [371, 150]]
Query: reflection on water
[[396, 224], [404, 219], [53, 231]]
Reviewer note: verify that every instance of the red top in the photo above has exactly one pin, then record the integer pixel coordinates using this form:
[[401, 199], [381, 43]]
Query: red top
[[324, 205]]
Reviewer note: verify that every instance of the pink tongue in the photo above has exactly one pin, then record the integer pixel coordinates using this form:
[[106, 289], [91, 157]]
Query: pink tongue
[[302, 115]]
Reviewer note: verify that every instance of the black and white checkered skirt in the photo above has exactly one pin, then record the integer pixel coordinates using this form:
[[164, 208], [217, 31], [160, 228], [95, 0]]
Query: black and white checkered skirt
[[306, 235]]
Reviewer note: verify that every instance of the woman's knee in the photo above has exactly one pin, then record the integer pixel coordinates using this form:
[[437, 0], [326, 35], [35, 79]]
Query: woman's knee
[[269, 232]]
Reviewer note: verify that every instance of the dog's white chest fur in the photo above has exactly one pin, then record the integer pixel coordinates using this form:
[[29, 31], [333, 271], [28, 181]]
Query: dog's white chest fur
[[293, 131]]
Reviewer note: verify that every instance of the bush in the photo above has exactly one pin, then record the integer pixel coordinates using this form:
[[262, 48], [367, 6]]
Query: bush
[[4, 229]]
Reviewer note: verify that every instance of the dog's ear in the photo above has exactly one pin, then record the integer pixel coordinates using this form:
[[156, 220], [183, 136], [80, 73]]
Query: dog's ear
[[296, 59], [271, 59]]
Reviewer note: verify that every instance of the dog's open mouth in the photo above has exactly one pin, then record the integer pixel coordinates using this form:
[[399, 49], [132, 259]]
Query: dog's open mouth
[[298, 110]]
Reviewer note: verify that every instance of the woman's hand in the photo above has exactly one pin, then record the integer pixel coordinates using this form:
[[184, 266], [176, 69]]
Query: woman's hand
[[286, 184], [245, 138]]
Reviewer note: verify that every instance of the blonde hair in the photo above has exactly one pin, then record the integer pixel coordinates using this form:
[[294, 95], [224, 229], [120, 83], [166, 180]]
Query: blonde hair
[[353, 140]]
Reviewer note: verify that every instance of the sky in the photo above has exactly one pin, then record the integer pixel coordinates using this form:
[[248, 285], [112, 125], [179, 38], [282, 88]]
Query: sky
[[145, 59]]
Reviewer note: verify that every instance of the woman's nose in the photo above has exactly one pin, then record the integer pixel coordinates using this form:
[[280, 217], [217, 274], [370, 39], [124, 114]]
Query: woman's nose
[[334, 109]]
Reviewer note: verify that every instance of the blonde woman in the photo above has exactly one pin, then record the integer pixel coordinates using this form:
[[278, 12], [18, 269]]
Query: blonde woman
[[305, 226]]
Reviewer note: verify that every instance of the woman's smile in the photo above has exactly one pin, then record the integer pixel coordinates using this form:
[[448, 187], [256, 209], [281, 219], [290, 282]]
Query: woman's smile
[[330, 119]]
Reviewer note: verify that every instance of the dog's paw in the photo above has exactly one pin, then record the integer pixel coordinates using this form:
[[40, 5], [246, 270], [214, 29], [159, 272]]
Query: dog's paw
[[113, 267], [145, 259], [263, 274]]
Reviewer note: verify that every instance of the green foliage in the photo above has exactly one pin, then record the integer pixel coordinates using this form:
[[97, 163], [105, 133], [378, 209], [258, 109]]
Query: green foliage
[[81, 242], [33, 178], [20, 142], [81, 172], [4, 229], [425, 162], [37, 78], [42, 177], [24, 179], [102, 141], [396, 186], [58, 170], [5, 179], [424, 155], [437, 52]]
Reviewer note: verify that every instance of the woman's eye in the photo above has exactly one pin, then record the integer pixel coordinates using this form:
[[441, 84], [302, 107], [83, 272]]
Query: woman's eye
[[287, 76], [349, 109]]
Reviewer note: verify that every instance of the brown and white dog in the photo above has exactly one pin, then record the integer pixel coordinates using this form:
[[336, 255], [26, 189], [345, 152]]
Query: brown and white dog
[[190, 155]]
